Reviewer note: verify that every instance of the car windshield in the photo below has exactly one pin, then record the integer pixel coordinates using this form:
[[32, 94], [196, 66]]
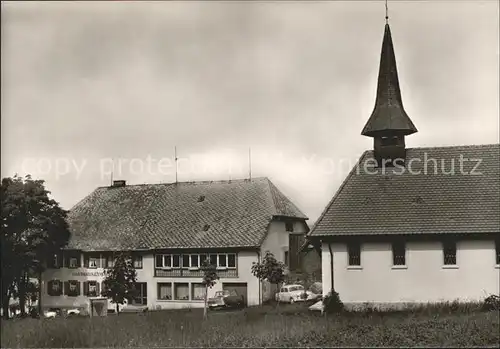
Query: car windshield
[[222, 293]]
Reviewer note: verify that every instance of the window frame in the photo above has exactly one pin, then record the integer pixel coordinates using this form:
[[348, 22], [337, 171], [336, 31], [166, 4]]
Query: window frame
[[289, 227], [93, 283], [194, 261], [137, 258], [454, 256], [357, 248], [191, 291], [77, 290], [175, 291], [50, 288], [77, 264], [97, 262], [395, 245], [109, 261], [168, 284]]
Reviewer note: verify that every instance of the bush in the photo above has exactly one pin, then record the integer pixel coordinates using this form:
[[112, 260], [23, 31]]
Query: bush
[[332, 303], [492, 303]]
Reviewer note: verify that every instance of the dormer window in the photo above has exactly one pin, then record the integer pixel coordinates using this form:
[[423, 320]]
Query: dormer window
[[201, 198], [206, 227]]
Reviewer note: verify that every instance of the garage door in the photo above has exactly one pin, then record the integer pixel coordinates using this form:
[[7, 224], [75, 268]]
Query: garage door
[[239, 287]]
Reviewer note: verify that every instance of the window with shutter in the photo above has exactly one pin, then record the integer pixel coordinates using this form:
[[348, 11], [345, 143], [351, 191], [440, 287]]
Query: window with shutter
[[54, 288], [93, 289]]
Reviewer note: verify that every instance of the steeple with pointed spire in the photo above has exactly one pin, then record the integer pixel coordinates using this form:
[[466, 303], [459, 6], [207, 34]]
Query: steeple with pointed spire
[[388, 123]]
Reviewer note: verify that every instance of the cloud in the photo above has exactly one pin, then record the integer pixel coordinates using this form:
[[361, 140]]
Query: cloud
[[92, 81]]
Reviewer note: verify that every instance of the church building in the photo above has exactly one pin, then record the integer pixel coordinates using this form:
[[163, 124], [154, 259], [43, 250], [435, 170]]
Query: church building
[[411, 225]]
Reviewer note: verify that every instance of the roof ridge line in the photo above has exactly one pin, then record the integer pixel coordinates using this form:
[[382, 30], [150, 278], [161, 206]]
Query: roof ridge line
[[219, 181], [337, 193]]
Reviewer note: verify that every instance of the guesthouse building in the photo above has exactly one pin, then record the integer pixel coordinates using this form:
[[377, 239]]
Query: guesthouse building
[[170, 229]]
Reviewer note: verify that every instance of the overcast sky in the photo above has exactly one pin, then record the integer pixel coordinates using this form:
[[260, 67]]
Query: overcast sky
[[84, 82]]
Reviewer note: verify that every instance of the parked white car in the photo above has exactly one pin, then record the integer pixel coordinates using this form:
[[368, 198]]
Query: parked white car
[[72, 312], [293, 293], [50, 314]]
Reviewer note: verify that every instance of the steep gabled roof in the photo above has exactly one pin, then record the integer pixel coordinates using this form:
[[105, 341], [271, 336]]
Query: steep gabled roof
[[232, 214], [388, 115], [395, 202]]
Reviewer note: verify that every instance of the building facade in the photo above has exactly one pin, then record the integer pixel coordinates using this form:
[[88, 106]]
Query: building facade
[[411, 225], [169, 230]]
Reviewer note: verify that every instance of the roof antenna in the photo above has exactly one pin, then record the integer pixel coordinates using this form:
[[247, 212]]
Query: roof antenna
[[386, 13], [175, 159], [250, 163]]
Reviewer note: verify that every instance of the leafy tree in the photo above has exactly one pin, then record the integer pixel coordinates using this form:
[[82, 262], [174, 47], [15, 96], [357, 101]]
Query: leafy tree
[[210, 277], [270, 269], [34, 228], [119, 284]]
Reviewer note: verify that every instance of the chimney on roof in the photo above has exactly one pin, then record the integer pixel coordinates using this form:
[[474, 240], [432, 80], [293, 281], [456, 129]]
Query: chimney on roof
[[119, 183], [389, 124]]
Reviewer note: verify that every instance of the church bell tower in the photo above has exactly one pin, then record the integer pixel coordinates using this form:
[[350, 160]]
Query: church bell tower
[[388, 124]]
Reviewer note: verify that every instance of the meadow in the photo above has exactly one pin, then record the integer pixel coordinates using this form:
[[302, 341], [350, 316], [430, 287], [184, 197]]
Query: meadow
[[286, 326]]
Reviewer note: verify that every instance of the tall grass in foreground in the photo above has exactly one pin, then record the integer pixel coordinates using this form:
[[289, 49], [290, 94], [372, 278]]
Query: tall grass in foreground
[[288, 326]]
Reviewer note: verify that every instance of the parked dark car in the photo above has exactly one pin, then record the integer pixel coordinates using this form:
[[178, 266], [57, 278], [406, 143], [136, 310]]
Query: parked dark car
[[226, 299]]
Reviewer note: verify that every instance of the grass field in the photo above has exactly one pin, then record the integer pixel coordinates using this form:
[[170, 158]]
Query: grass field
[[288, 326]]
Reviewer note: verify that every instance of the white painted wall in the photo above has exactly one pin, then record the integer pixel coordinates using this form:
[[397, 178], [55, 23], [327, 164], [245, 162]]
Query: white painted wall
[[276, 242], [424, 280]]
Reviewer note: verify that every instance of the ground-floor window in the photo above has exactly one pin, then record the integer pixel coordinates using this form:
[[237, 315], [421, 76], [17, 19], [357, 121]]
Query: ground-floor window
[[181, 291], [197, 291], [164, 291], [72, 288], [91, 289], [54, 288]]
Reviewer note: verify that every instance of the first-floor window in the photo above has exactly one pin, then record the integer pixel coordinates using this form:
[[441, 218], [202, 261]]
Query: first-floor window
[[286, 258], [54, 288], [354, 252], [165, 291], [197, 291], [181, 291], [137, 262], [176, 261], [195, 261], [450, 252], [56, 261], [110, 261], [93, 261], [398, 253], [203, 259], [185, 261], [222, 260], [213, 259], [231, 260], [73, 262]]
